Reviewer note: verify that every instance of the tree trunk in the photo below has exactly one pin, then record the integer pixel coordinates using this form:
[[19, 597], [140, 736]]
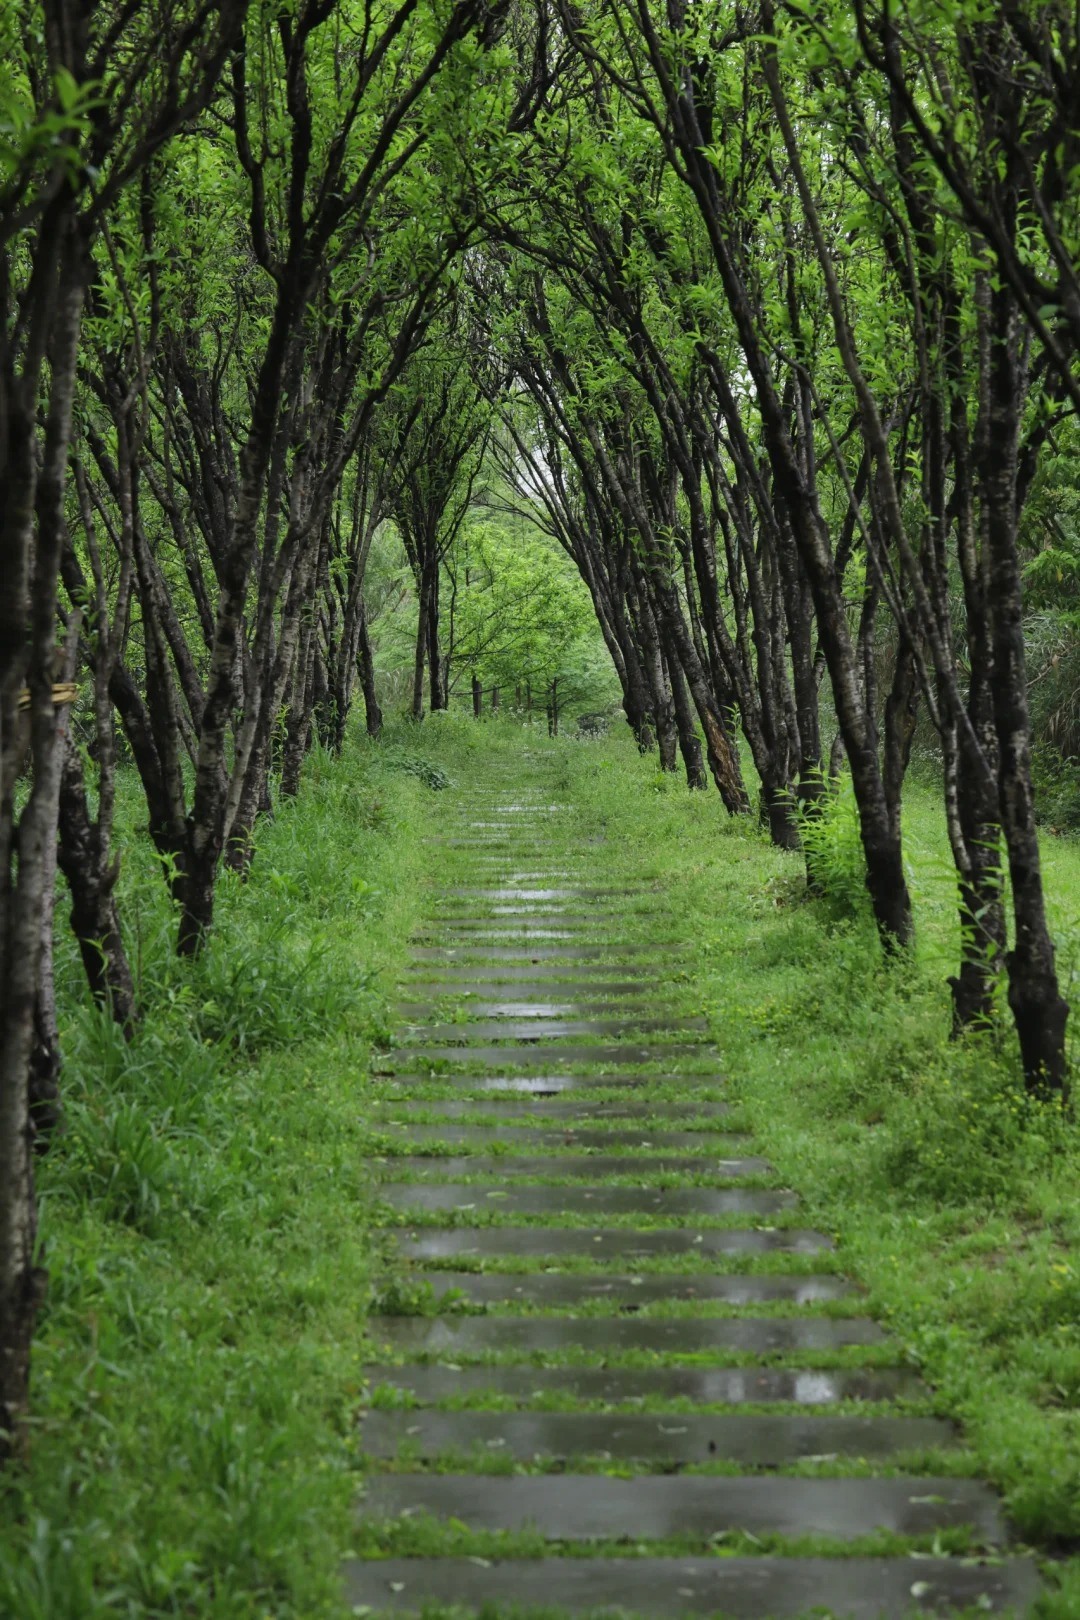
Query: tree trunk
[[374, 717], [662, 706], [25, 846], [1034, 998], [91, 880], [436, 663], [477, 698], [689, 741]]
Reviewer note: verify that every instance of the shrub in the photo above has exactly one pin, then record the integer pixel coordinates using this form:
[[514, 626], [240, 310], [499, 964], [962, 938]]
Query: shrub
[[830, 837]]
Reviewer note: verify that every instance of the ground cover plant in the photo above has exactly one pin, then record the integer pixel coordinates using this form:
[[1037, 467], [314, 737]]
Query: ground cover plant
[[207, 1224]]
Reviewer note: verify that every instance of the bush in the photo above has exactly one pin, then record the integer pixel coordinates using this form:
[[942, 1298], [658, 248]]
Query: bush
[[830, 837], [1057, 789], [968, 1130]]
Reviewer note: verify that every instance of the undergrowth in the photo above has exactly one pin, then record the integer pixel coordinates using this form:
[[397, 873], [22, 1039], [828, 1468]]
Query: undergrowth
[[206, 1224]]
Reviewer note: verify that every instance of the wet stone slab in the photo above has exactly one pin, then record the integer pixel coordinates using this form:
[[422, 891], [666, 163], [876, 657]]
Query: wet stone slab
[[463, 1336], [627, 1386], [515, 892], [763, 1440], [525, 953], [613, 1243], [525, 923], [542, 1109], [526, 977], [657, 1203], [537, 1085], [547, 1289], [549, 1051], [588, 1507], [487, 990], [667, 1588], [707, 1142], [557, 1165], [543, 1029], [537, 1008]]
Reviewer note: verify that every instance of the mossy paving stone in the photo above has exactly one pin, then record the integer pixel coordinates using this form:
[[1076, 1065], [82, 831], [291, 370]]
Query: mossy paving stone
[[667, 1588], [491, 990], [760, 1440], [572, 973], [553, 1108], [578, 1164], [612, 1243], [595, 1004], [590, 1507], [571, 1137], [548, 1052], [544, 1029], [515, 922], [425, 1198], [538, 1085], [551, 1288], [529, 953], [623, 1386], [464, 1336], [516, 892]]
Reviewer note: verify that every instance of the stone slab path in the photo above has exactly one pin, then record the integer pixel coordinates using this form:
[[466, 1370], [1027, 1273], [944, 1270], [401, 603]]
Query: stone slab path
[[613, 1371]]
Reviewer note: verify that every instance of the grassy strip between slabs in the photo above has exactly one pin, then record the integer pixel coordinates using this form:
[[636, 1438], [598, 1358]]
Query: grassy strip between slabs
[[209, 1216]]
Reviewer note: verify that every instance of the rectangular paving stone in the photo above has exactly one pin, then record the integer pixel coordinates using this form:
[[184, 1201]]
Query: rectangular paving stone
[[749, 1203], [666, 1588], [706, 1142], [463, 1336], [541, 1109], [537, 1009], [527, 1242], [761, 1440], [504, 892], [627, 1386], [547, 1289], [541, 1029], [578, 1164], [551, 1052], [481, 993], [540, 1085], [592, 977], [524, 952], [516, 904], [588, 1507], [526, 923]]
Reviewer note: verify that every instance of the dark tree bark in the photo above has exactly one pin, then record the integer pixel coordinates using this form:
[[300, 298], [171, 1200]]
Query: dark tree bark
[[372, 711]]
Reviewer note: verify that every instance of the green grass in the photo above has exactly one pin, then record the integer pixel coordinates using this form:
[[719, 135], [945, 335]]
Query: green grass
[[211, 1220], [206, 1222]]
